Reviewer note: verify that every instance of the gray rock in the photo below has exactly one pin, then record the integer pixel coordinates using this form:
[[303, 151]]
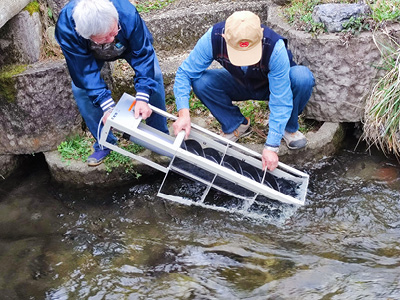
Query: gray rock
[[78, 174], [10, 8], [38, 111], [50, 33], [56, 6], [334, 15], [21, 39], [8, 164]]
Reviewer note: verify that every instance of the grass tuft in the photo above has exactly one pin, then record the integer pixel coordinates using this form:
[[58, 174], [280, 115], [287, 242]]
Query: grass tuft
[[79, 148], [382, 110], [150, 5]]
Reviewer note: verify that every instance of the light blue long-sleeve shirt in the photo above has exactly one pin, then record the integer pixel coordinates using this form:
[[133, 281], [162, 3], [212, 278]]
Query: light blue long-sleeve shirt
[[281, 97]]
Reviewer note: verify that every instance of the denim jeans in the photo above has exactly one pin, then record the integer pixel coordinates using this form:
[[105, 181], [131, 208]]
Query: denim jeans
[[217, 89], [92, 114]]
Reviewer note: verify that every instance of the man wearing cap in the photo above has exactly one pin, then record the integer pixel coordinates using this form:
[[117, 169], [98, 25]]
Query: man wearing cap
[[256, 65]]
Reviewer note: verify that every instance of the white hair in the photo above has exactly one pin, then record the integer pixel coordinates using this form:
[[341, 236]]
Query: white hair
[[94, 17]]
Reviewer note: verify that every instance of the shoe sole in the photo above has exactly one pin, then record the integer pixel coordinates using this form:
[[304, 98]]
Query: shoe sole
[[294, 148], [94, 164]]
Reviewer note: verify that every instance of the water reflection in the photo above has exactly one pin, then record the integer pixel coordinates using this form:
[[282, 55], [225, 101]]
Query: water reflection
[[128, 244]]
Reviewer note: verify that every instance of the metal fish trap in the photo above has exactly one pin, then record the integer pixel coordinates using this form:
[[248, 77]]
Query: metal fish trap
[[214, 163]]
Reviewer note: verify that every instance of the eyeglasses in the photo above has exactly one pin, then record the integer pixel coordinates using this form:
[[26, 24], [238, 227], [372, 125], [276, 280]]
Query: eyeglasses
[[106, 38]]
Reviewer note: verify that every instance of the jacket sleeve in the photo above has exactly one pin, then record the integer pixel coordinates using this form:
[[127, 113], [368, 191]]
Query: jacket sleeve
[[83, 67], [281, 98]]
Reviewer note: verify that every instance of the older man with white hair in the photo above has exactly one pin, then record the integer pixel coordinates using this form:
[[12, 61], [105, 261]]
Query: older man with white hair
[[91, 32]]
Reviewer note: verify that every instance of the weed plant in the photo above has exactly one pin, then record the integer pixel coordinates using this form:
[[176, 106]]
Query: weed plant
[[150, 5], [117, 160], [386, 10], [356, 25], [382, 110], [79, 147], [75, 148], [298, 13]]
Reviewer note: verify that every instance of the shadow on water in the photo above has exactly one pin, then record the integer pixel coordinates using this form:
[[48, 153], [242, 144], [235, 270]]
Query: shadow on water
[[58, 243]]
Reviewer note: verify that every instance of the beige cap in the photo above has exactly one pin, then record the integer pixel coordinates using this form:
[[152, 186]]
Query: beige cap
[[243, 36]]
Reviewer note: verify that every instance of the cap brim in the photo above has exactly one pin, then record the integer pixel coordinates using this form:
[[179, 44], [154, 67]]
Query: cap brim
[[244, 57]]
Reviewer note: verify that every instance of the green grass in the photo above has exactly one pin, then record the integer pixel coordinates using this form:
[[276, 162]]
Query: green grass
[[386, 10], [196, 104], [75, 148], [299, 14], [382, 109], [150, 5], [356, 25], [117, 160], [80, 147]]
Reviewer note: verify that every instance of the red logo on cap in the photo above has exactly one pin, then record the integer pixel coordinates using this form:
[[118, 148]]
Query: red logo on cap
[[244, 44]]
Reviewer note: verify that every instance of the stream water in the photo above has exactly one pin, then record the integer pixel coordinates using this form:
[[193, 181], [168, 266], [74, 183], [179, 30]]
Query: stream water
[[126, 243]]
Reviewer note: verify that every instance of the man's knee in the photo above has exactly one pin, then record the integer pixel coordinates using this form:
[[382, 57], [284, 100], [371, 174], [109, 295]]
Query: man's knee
[[201, 83], [301, 76]]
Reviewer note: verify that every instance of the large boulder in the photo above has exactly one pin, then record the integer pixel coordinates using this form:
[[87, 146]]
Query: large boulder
[[344, 70], [21, 39], [74, 173], [335, 15], [9, 8], [37, 109]]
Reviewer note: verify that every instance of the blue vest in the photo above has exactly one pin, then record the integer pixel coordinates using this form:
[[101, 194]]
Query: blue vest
[[257, 75]]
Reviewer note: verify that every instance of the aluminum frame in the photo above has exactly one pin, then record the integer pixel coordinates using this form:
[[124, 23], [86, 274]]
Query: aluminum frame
[[122, 119]]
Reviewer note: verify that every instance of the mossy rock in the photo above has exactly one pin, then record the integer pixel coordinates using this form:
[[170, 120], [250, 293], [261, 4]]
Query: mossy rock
[[7, 81]]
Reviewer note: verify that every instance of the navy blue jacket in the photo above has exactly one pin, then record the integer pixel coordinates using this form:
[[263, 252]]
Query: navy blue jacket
[[84, 68]]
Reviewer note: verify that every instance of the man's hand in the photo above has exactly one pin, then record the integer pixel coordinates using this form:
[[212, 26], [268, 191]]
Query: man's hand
[[106, 115], [269, 159], [142, 109], [183, 122]]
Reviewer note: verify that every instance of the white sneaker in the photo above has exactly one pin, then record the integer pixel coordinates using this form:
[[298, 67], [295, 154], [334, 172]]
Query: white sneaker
[[239, 132], [295, 140]]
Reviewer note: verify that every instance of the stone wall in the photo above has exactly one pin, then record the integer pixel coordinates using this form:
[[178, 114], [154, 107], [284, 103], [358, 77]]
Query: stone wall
[[37, 110], [21, 39], [344, 70], [41, 113]]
